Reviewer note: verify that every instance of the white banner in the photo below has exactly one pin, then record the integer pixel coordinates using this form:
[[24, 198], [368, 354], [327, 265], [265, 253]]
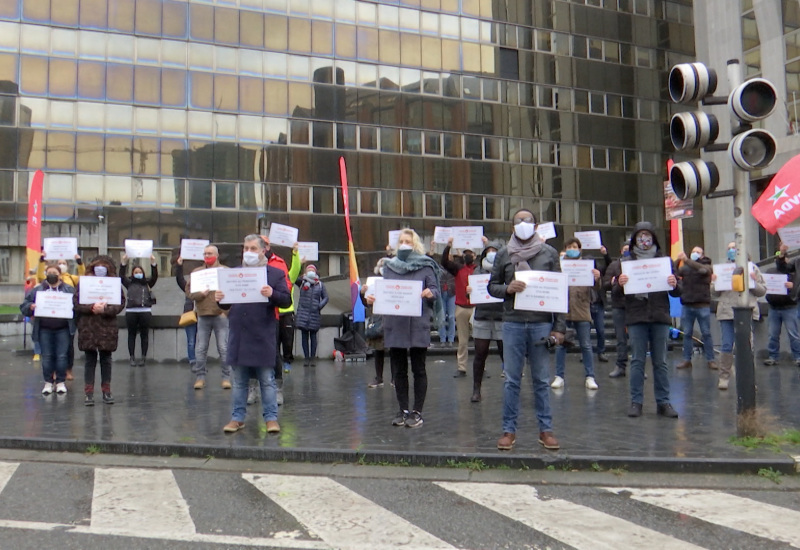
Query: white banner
[[724, 273], [441, 235], [578, 272], [647, 275], [790, 236], [544, 291], [57, 305], [370, 284], [398, 298], [192, 249], [309, 252], [776, 283], [242, 285], [393, 237], [590, 240], [60, 248], [480, 291], [282, 235], [468, 237], [138, 249], [93, 290]]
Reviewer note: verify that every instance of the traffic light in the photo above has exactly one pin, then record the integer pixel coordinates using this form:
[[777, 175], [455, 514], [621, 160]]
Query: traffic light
[[752, 100]]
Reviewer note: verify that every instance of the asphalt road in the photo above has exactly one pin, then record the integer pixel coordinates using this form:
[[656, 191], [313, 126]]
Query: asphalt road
[[103, 501]]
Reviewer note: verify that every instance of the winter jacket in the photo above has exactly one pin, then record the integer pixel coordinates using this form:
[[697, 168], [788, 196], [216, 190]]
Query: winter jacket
[[253, 328], [411, 332], [580, 301], [205, 305], [613, 271], [503, 273], [696, 282], [291, 274], [654, 306], [98, 331], [30, 299], [461, 272], [188, 303], [599, 291], [487, 312], [783, 301], [313, 297], [728, 299], [447, 283], [139, 294]]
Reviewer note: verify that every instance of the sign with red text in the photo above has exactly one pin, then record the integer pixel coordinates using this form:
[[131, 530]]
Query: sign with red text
[[397, 297], [544, 291]]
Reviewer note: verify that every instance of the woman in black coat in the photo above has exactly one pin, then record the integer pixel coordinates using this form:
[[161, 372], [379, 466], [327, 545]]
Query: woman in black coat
[[313, 297], [139, 308]]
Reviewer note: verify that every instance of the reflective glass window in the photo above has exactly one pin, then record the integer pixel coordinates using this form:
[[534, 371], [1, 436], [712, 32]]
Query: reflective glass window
[[323, 200], [454, 206], [345, 41], [60, 151], [121, 48], [148, 51], [62, 114], [147, 85], [299, 35], [148, 17], [299, 7], [93, 14], [297, 67], [90, 117], [251, 95], [368, 48], [121, 15], [410, 50], [35, 39], [9, 36], [276, 93], [118, 191], [368, 138], [201, 22], [146, 156], [58, 188], [92, 45], [118, 82], [226, 25], [200, 194], [390, 140], [389, 47], [322, 37], [63, 78], [174, 19], [275, 33], [201, 125], [146, 120], [145, 192], [201, 56], [173, 88], [89, 188], [202, 90], [224, 195], [118, 155], [251, 29], [611, 52], [63, 42], [226, 93], [299, 97], [275, 130], [299, 134], [35, 10], [251, 196], [34, 74], [173, 154], [390, 202], [251, 128], [9, 10], [173, 53]]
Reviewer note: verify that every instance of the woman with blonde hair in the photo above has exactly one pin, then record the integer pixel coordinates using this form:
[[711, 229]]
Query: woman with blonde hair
[[406, 336]]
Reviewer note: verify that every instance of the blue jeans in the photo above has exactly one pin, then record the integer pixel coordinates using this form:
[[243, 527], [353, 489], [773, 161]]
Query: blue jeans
[[308, 338], [447, 329], [729, 335], [55, 348], [269, 395], [639, 336], [621, 330], [788, 318], [599, 320], [218, 324], [584, 330], [37, 348], [521, 340], [703, 316], [191, 338]]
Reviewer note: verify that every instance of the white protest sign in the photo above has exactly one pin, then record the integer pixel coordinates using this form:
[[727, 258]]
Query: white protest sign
[[309, 252], [590, 240], [138, 249], [93, 290], [776, 283], [544, 291], [468, 237], [646, 276], [790, 236], [394, 236], [204, 279], [57, 305], [192, 249], [442, 235], [282, 235], [60, 248], [370, 284], [546, 230], [398, 297], [578, 272], [480, 292], [242, 285]]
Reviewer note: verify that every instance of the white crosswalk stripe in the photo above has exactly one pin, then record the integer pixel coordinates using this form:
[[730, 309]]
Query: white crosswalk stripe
[[340, 516], [7, 470], [739, 513], [573, 524]]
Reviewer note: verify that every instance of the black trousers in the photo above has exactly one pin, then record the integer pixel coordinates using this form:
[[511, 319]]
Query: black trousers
[[91, 366], [286, 335], [138, 323], [399, 362], [481, 353]]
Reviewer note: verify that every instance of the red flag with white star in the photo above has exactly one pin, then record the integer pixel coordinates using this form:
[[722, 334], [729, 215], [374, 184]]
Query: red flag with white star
[[779, 204], [34, 236]]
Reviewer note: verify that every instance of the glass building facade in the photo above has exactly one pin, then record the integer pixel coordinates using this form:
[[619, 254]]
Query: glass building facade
[[211, 119]]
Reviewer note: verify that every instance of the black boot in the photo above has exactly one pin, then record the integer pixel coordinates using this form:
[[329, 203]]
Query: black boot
[[476, 393]]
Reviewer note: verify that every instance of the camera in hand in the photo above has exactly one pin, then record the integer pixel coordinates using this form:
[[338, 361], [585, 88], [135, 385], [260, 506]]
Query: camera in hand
[[549, 342]]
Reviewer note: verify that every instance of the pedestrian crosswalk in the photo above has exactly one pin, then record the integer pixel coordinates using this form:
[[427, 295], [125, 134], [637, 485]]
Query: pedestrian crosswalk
[[313, 512]]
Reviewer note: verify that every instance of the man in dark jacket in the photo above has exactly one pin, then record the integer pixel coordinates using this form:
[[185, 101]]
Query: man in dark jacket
[[526, 333], [647, 316], [253, 339], [598, 308], [783, 312], [461, 272], [613, 271], [695, 275]]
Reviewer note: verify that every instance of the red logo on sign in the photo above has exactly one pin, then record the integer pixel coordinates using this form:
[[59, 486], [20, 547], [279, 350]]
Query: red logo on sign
[[397, 306], [244, 294], [541, 302], [649, 285], [541, 279], [241, 275]]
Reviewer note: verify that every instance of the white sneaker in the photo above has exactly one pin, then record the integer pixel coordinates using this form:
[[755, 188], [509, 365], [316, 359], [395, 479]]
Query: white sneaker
[[61, 387], [590, 383], [48, 388], [558, 382]]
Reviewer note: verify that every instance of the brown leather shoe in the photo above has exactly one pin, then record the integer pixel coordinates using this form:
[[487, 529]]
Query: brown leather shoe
[[506, 442], [712, 365], [233, 426], [69, 375], [684, 365], [549, 441], [273, 427]]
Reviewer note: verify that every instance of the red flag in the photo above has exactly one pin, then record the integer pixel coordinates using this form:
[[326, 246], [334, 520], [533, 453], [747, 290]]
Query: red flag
[[779, 204], [354, 281], [34, 241]]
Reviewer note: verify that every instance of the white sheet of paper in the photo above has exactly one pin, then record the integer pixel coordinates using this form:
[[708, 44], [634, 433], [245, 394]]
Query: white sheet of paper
[[544, 291], [92, 290], [242, 285], [590, 240], [60, 248], [480, 292], [776, 283], [138, 249], [370, 284], [282, 235], [647, 275], [394, 236], [308, 251], [192, 249], [468, 237], [578, 272], [397, 297], [442, 234], [752, 268], [790, 236], [204, 279], [546, 230], [57, 305], [724, 273]]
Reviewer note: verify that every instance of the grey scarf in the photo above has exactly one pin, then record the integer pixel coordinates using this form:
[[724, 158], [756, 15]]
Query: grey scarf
[[520, 252], [415, 262], [642, 254]]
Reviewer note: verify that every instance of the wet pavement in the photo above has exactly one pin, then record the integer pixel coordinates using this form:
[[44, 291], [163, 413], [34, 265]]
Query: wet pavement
[[330, 415]]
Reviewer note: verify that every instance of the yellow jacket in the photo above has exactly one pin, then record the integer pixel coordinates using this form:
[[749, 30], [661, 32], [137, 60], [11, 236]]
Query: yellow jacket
[[68, 278]]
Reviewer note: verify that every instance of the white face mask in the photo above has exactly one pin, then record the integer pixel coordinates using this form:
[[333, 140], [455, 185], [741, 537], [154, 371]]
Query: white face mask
[[524, 230], [250, 258], [405, 247], [62, 268]]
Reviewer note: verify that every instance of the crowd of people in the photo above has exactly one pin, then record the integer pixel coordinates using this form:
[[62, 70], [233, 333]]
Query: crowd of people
[[255, 339]]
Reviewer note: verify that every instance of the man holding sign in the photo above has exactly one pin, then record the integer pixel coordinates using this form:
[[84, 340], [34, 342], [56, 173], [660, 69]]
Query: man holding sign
[[648, 320], [526, 333]]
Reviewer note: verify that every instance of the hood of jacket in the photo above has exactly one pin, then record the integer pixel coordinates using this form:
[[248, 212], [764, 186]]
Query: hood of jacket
[[643, 226], [102, 260]]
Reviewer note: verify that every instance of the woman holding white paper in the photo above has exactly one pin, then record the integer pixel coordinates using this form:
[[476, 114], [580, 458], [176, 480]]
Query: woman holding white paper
[[139, 308], [410, 335]]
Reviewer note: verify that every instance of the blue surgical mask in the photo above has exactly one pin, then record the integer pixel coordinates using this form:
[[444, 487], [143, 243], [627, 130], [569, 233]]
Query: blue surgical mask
[[138, 275], [100, 271], [573, 253], [695, 256], [490, 256], [731, 254], [626, 254]]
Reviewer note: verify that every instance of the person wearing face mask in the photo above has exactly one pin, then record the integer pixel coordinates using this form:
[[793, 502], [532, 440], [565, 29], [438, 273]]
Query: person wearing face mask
[[253, 339], [210, 319], [727, 300], [695, 274], [375, 342], [407, 336], [488, 322], [72, 280], [647, 316], [613, 271], [526, 333], [139, 307], [783, 311], [579, 317], [313, 298], [97, 332], [53, 334], [461, 272]]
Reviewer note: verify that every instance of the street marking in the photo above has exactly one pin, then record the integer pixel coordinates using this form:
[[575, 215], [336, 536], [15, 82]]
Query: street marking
[[7, 470], [796, 459], [573, 524], [131, 500], [339, 516], [731, 511]]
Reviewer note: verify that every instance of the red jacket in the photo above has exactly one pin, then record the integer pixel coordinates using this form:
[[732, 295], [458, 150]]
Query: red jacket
[[461, 272]]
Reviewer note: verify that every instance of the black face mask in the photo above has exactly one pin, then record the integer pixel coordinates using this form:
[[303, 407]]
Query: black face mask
[[469, 259], [52, 279]]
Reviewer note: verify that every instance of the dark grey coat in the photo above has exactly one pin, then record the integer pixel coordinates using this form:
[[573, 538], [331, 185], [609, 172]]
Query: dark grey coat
[[312, 299], [411, 332]]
